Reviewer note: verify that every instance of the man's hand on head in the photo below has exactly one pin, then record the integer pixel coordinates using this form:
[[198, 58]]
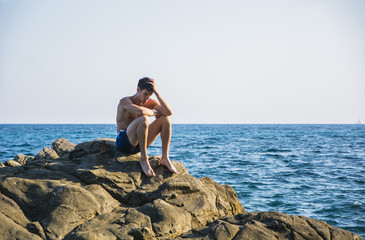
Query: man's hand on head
[[165, 108], [152, 81]]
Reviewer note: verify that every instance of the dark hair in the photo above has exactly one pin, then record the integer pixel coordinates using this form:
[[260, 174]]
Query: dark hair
[[145, 83]]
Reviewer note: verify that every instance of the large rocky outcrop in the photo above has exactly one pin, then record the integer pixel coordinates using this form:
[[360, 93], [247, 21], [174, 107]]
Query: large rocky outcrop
[[91, 191]]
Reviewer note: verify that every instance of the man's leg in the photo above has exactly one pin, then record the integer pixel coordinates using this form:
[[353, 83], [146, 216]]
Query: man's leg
[[162, 125], [137, 133]]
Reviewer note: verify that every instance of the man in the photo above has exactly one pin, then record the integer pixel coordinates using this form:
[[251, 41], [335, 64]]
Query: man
[[134, 133]]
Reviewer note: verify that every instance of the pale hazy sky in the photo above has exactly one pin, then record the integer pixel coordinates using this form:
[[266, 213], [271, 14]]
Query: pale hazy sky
[[265, 61]]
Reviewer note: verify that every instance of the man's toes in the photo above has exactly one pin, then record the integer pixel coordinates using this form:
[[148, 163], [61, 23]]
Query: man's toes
[[169, 165], [146, 168], [150, 174], [173, 169]]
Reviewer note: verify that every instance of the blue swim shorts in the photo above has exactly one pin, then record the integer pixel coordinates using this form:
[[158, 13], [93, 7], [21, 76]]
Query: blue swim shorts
[[124, 145]]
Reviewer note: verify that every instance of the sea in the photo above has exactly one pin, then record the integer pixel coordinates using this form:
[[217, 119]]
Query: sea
[[316, 171]]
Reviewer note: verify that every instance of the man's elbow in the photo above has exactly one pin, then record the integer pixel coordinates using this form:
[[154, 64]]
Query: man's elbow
[[140, 112], [168, 113]]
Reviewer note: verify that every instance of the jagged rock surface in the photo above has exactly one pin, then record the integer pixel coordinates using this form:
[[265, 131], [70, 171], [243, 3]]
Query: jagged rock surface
[[91, 191], [267, 226]]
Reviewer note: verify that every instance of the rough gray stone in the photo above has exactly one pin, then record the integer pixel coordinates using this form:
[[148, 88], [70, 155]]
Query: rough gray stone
[[91, 191], [62, 146], [23, 159], [47, 153], [267, 226], [12, 163]]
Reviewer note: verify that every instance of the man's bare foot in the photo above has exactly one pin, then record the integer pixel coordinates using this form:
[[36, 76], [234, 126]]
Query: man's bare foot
[[167, 163], [146, 168]]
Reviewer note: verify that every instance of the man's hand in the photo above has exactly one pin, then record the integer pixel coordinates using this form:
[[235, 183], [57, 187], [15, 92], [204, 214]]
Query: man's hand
[[152, 81], [157, 114], [164, 108]]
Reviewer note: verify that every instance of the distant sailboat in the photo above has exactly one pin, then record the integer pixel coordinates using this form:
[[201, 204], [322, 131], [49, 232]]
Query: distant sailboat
[[359, 122]]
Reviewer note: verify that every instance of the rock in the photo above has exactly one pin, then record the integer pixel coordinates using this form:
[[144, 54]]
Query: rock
[[47, 153], [225, 195], [197, 198], [122, 223], [62, 146], [23, 159], [14, 220], [167, 220], [97, 146], [10, 230], [56, 202], [2, 165], [12, 163], [92, 191], [269, 225]]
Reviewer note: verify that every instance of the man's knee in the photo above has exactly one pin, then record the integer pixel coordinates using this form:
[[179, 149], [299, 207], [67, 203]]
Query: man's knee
[[165, 119], [142, 120], [168, 120]]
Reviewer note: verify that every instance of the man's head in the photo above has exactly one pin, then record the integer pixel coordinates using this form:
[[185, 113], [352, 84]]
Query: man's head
[[145, 83], [144, 89]]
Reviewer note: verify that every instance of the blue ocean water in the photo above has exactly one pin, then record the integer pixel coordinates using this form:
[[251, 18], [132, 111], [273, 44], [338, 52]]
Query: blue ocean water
[[316, 171]]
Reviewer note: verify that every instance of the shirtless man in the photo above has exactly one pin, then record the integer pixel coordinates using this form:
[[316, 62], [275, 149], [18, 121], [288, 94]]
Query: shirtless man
[[134, 133]]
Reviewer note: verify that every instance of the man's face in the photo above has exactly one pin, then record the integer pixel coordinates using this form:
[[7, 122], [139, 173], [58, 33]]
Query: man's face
[[144, 95]]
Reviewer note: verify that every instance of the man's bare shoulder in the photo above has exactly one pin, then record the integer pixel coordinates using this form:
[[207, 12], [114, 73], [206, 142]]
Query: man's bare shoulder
[[125, 100]]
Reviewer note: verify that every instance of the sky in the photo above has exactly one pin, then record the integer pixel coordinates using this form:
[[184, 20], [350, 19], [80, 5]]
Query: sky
[[228, 61]]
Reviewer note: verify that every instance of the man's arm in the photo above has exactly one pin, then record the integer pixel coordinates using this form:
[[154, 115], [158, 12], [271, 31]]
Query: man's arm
[[163, 107], [128, 105]]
